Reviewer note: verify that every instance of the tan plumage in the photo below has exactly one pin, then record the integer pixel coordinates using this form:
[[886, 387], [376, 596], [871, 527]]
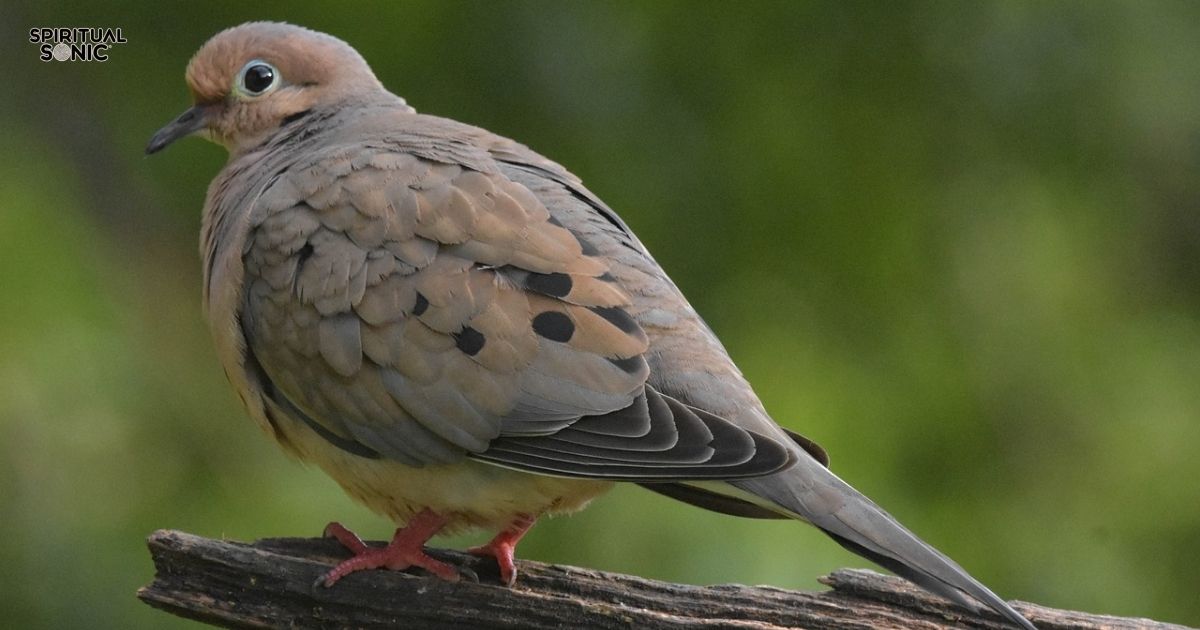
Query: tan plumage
[[460, 333]]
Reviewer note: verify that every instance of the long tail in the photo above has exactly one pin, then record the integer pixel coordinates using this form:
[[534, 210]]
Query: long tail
[[812, 493]]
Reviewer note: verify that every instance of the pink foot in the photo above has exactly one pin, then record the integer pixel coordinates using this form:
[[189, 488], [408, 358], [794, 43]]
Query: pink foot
[[406, 550], [504, 545]]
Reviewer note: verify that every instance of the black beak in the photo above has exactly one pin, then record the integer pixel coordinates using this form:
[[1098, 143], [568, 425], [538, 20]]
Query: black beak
[[188, 123]]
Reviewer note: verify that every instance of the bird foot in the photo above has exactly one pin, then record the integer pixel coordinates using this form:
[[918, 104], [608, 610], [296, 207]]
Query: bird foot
[[504, 555], [406, 550], [504, 546]]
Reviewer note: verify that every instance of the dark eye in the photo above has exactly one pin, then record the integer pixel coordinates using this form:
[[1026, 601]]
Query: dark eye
[[258, 77]]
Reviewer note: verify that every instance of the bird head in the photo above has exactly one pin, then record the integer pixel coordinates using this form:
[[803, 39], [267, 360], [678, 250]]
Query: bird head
[[249, 80]]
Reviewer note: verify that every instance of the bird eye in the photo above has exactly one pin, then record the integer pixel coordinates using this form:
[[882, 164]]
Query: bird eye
[[257, 77]]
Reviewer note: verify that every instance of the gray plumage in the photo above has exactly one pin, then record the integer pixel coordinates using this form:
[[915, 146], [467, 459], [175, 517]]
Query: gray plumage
[[446, 321]]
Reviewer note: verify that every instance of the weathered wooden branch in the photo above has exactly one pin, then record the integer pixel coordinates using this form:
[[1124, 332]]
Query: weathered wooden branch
[[270, 583]]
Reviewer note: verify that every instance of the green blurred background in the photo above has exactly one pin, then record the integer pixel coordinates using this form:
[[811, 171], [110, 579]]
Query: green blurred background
[[958, 244]]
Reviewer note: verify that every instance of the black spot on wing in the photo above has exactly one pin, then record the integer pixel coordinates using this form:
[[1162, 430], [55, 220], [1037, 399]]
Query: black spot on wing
[[469, 340], [552, 284], [617, 316], [554, 326]]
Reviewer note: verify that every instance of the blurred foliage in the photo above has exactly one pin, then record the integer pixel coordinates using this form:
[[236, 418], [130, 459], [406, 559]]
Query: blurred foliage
[[956, 243]]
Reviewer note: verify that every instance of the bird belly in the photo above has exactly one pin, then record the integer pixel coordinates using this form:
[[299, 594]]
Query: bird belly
[[470, 494]]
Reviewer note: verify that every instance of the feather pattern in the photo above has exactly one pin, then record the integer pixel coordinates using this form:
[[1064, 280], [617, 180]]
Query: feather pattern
[[427, 310]]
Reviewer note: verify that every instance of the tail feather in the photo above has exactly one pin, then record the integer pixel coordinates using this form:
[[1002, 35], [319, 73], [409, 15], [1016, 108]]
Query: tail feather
[[810, 492]]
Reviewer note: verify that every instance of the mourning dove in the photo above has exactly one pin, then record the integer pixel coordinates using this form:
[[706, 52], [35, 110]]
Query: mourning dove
[[461, 334]]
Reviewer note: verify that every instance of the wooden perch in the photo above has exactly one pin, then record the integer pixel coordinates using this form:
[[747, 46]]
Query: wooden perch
[[270, 583]]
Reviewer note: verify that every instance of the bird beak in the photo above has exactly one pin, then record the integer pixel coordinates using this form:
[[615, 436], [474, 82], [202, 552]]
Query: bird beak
[[188, 123]]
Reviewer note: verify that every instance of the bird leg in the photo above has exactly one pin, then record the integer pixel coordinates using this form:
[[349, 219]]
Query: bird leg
[[504, 544], [406, 550]]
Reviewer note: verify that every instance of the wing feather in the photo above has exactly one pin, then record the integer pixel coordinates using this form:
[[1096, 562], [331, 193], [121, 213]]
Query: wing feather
[[427, 311]]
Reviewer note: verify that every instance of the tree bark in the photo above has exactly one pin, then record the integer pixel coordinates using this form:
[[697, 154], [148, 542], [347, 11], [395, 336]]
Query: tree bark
[[270, 583]]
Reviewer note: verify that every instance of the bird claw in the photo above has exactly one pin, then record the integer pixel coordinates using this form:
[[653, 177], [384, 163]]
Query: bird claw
[[395, 557], [503, 547], [503, 554], [347, 538], [468, 574], [406, 550]]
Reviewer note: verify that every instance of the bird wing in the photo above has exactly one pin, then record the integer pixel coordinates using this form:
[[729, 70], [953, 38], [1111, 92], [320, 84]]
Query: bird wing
[[405, 298], [688, 363]]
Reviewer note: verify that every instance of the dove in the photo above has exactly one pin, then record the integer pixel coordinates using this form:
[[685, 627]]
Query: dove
[[462, 335]]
